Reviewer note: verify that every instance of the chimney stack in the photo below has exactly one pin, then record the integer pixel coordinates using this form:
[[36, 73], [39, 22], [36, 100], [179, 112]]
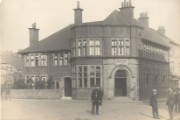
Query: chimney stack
[[33, 35], [161, 30], [144, 19], [78, 14], [127, 10]]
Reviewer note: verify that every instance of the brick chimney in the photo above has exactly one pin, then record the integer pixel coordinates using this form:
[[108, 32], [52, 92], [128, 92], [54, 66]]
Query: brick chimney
[[161, 30], [127, 10], [144, 19], [78, 14], [33, 35]]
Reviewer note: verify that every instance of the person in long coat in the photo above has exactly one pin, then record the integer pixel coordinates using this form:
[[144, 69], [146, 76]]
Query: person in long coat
[[95, 99], [101, 96], [154, 104], [178, 100], [170, 103]]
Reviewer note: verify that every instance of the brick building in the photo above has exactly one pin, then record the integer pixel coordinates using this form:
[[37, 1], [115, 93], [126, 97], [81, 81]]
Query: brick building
[[121, 54]]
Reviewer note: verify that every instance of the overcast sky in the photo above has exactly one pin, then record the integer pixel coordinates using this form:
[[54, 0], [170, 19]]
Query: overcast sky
[[16, 16]]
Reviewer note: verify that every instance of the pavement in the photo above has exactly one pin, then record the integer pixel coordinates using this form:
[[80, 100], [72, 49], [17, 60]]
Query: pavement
[[32, 109]]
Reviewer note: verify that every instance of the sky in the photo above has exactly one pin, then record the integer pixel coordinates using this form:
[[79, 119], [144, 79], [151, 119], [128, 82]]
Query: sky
[[16, 16]]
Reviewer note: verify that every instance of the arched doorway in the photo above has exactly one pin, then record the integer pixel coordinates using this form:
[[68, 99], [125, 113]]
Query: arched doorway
[[120, 83], [67, 87]]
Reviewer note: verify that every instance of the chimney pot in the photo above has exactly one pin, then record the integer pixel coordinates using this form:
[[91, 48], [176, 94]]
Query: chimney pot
[[33, 34], [144, 19], [127, 10], [78, 5], [34, 25], [78, 14], [161, 30]]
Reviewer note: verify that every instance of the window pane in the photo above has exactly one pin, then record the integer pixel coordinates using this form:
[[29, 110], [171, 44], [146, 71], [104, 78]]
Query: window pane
[[98, 81], [80, 82], [85, 68], [98, 68], [127, 43], [85, 82], [97, 42], [91, 50], [114, 42], [32, 60], [92, 82], [91, 42], [80, 69]]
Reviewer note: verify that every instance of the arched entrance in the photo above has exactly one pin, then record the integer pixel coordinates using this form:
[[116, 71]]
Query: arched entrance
[[67, 87], [120, 83]]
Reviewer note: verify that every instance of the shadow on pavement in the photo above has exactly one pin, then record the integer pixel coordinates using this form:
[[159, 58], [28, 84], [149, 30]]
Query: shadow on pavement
[[145, 115]]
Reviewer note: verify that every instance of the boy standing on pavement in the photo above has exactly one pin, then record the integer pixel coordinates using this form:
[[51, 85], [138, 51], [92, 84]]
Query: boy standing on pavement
[[154, 104]]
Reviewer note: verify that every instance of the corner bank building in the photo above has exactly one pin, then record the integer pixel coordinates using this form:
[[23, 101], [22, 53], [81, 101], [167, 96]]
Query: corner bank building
[[121, 54]]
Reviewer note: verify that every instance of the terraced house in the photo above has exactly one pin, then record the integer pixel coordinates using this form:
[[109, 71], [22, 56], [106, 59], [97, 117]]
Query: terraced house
[[121, 54]]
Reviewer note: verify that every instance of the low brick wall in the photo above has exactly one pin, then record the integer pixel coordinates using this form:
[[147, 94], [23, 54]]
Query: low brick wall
[[36, 93]]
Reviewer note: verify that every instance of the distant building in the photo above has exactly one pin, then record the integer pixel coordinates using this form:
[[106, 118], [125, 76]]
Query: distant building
[[175, 63], [121, 54], [11, 67], [7, 73]]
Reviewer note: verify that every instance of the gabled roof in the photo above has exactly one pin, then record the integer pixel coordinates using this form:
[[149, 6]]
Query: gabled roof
[[55, 42], [115, 18]]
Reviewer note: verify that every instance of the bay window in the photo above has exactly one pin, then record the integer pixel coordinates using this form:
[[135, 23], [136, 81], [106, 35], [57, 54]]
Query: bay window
[[84, 47], [120, 47], [87, 76]]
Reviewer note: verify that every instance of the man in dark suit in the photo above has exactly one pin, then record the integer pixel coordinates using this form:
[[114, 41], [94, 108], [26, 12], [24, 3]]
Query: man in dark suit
[[178, 100], [95, 99], [154, 104], [101, 96], [170, 103]]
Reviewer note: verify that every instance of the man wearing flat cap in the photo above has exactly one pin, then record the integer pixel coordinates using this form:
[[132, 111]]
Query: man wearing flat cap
[[154, 104]]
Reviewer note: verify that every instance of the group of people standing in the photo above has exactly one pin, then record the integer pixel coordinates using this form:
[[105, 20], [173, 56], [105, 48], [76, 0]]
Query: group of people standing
[[172, 102]]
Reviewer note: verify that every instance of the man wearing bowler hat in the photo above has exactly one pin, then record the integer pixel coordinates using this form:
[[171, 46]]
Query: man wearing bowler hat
[[154, 104]]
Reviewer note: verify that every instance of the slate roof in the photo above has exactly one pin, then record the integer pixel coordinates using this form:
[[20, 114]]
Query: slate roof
[[151, 35], [116, 19], [55, 42], [61, 39]]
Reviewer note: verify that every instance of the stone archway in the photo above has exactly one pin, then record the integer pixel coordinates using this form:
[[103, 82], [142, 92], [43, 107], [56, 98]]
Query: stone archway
[[129, 81]]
